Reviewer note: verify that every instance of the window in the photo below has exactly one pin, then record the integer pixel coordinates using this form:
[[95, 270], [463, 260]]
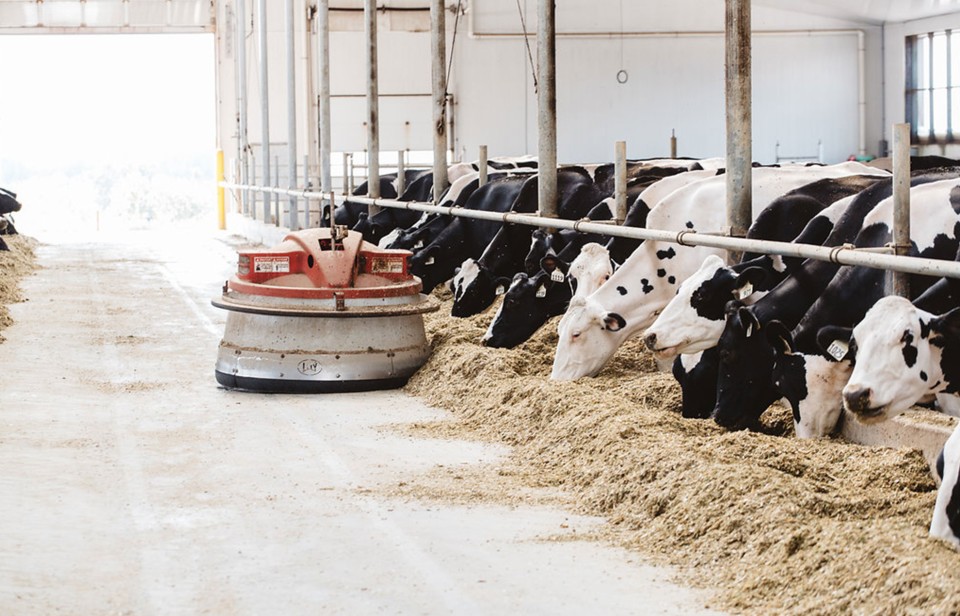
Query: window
[[933, 87]]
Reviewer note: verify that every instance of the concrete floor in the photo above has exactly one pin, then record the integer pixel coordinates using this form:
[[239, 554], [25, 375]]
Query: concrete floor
[[130, 483]]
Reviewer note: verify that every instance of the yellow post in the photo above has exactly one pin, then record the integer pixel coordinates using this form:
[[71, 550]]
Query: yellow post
[[221, 208]]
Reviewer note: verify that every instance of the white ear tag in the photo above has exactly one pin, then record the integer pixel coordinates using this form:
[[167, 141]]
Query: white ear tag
[[557, 276], [838, 349], [744, 292], [499, 290], [418, 245], [429, 261], [749, 330], [541, 291]]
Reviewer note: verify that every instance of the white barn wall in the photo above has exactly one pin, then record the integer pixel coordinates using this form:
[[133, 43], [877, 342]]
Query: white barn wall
[[805, 87]]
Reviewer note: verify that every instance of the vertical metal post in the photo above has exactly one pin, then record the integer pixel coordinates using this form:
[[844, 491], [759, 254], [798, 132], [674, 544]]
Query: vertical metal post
[[323, 29], [346, 163], [673, 144], [547, 108], [739, 148], [264, 103], [310, 98], [438, 50], [373, 107], [292, 217], [306, 202], [401, 172], [620, 182], [482, 164], [221, 204], [276, 198], [901, 203], [244, 147]]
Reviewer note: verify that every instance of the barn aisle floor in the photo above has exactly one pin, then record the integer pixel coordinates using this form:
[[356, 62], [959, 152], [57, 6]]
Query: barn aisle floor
[[132, 484]]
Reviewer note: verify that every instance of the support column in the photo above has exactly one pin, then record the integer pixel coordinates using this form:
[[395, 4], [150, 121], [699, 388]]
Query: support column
[[264, 105], [373, 109], [547, 109], [739, 133], [438, 50], [323, 32], [292, 215], [901, 203], [244, 147], [620, 182]]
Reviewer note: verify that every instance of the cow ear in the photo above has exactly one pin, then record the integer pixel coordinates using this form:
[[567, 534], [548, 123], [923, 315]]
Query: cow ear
[[613, 322], [835, 341], [948, 325], [779, 337], [501, 285], [749, 322], [752, 276], [430, 254]]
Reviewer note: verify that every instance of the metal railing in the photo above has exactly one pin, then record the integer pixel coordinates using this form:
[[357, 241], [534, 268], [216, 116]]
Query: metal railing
[[846, 254]]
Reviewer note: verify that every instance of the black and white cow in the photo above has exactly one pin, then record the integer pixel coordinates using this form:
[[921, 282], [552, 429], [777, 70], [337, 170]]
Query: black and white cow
[[693, 319], [533, 298], [437, 260], [576, 194], [593, 328], [750, 375], [429, 226], [476, 283], [375, 228], [903, 354]]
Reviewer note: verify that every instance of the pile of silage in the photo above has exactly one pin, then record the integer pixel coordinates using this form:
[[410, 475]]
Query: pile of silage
[[14, 265], [774, 523]]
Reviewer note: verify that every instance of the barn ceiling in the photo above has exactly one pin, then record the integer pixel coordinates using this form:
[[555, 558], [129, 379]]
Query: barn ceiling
[[872, 11]]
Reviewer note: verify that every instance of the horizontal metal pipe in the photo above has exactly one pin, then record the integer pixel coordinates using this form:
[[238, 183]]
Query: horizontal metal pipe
[[842, 255]]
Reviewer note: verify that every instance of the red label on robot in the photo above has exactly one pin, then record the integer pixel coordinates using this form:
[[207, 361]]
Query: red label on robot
[[271, 264]]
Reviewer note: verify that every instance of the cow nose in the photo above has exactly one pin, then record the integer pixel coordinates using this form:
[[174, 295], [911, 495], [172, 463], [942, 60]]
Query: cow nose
[[651, 341], [857, 399]]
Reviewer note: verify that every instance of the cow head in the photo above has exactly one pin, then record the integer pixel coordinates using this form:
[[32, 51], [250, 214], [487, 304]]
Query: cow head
[[697, 375], [589, 336], [541, 244], [590, 269], [810, 384], [527, 304], [694, 319], [902, 354], [744, 383], [431, 267], [474, 288]]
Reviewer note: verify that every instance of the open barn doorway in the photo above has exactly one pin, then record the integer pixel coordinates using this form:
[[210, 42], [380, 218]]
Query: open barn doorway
[[108, 132]]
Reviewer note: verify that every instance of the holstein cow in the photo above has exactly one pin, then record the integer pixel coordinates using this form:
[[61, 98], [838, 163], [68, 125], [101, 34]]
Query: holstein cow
[[747, 383], [594, 327], [462, 239], [693, 320], [376, 227], [426, 229], [533, 299], [436, 261], [591, 268], [903, 354], [476, 283]]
